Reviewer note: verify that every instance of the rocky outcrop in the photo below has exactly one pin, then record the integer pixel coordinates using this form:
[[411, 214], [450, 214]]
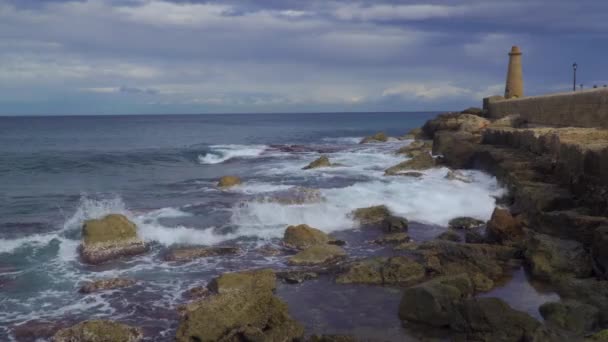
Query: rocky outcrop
[[589, 291], [317, 255], [108, 238], [513, 120], [455, 122], [322, 161], [185, 254], [571, 315], [371, 215], [449, 235], [106, 284], [378, 137], [304, 236], [504, 228], [392, 238], [228, 181], [99, 330], [399, 270], [422, 161], [416, 147], [457, 176], [473, 110], [394, 224], [456, 149], [551, 258], [465, 222], [243, 309], [600, 251]]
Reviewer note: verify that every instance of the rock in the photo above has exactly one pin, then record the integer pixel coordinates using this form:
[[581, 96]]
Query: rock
[[295, 195], [457, 175], [513, 120], [229, 181], [322, 161], [185, 254], [455, 122], [392, 238], [422, 161], [571, 315], [434, 302], [296, 277], [304, 236], [244, 309], [416, 147], [197, 292], [473, 110], [269, 250], [414, 133], [99, 331], [599, 251], [551, 258], [317, 255], [481, 282], [503, 227], [106, 284], [332, 338], [456, 148], [371, 215], [111, 237], [599, 336], [589, 291], [398, 270], [412, 174], [378, 137], [337, 242], [465, 222], [37, 330], [491, 319], [392, 224], [449, 235], [258, 280], [471, 236]]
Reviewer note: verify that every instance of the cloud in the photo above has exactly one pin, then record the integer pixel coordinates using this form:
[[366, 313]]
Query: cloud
[[396, 12]]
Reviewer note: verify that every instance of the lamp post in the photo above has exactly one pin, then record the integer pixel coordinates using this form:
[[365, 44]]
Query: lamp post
[[574, 66]]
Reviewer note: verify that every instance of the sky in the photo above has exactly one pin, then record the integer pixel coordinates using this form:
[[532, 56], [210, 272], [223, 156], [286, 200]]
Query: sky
[[60, 57]]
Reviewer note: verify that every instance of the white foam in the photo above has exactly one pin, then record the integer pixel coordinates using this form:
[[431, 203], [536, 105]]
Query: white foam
[[181, 235], [343, 140], [90, 208], [259, 187], [221, 153], [165, 212], [37, 240]]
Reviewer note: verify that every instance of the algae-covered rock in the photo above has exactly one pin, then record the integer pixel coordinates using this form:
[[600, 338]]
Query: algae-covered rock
[[106, 284], [332, 338], [599, 251], [392, 238], [322, 161], [184, 254], [394, 224], [465, 222], [450, 235], [422, 161], [383, 271], [258, 280], [378, 137], [304, 236], [416, 147], [297, 276], [503, 227], [599, 336], [371, 215], [571, 315], [108, 238], [456, 148], [551, 258], [317, 255], [455, 122], [228, 181], [99, 331]]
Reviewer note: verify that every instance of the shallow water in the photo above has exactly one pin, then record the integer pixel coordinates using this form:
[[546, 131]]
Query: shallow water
[[161, 172]]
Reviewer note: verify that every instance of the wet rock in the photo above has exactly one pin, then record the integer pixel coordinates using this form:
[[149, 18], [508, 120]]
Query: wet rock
[[37, 330], [416, 147], [406, 246], [228, 181], [571, 315], [394, 224], [371, 215], [599, 336], [503, 227], [398, 270], [185, 254], [197, 292], [551, 258], [108, 238], [456, 148], [244, 309], [296, 195], [471, 236], [332, 338], [378, 137], [464, 222], [435, 302], [317, 255], [412, 174], [393, 238], [304, 236], [270, 251], [589, 291], [599, 251], [450, 235], [99, 331], [296, 277], [481, 282], [422, 161], [322, 161], [106, 284], [457, 175], [337, 242], [491, 319], [455, 122]]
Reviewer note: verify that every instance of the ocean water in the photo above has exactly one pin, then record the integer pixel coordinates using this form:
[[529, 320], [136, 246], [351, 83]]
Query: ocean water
[[161, 171]]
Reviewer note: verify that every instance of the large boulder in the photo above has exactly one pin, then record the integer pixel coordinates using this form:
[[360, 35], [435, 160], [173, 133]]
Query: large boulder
[[99, 331], [378, 137], [185, 254], [571, 315], [108, 238], [422, 161], [398, 270], [455, 122], [244, 309], [599, 250], [551, 258], [456, 148], [317, 255], [322, 161], [434, 302], [106, 284], [304, 236], [503, 227], [371, 215], [392, 238], [228, 181]]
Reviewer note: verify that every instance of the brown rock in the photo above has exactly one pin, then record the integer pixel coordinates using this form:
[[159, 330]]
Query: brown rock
[[257, 280], [465, 222], [304, 236], [398, 270], [99, 331], [371, 215], [317, 255], [197, 292], [422, 161], [599, 251], [552, 258], [416, 147], [503, 227], [228, 181], [322, 161], [37, 330], [378, 137], [106, 284], [185, 254], [393, 238]]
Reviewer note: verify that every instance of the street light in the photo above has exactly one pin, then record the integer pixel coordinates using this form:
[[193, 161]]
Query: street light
[[574, 66]]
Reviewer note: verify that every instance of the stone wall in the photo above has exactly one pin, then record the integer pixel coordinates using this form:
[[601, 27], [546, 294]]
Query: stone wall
[[588, 108]]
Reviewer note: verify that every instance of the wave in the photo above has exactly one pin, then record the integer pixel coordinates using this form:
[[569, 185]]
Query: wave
[[221, 153]]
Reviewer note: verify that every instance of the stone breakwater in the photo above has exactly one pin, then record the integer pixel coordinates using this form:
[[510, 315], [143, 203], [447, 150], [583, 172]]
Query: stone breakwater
[[552, 222]]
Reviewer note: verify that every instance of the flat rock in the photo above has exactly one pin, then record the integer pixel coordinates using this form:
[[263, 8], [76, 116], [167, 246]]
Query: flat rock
[[551, 258], [378, 137], [422, 161], [392, 238], [398, 270], [106, 284], [317, 255], [185, 254], [257, 280], [99, 331], [571, 315]]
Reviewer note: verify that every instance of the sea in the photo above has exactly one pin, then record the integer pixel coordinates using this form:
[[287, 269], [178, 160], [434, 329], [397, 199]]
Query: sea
[[161, 171]]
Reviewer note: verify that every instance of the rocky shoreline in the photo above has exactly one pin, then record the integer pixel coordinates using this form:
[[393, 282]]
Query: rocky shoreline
[[551, 223]]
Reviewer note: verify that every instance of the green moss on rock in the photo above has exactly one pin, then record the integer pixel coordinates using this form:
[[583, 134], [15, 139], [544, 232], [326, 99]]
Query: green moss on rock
[[99, 331]]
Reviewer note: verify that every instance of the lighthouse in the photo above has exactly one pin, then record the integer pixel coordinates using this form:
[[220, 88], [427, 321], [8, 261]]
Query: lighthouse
[[515, 82]]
